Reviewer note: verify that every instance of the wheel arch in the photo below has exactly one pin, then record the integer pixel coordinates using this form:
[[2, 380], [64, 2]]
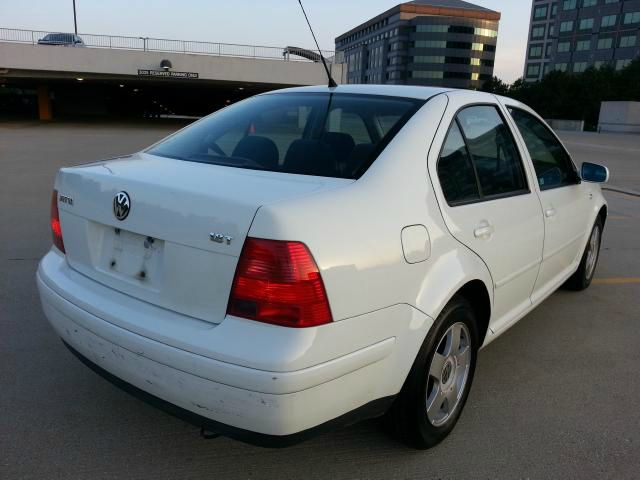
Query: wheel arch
[[475, 292], [602, 214]]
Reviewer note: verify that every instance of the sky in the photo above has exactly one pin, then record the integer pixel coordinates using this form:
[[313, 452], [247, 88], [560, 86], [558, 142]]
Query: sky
[[259, 22]]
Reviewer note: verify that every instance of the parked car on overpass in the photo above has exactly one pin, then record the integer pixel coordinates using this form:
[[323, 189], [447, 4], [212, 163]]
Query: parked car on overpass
[[315, 256], [63, 39]]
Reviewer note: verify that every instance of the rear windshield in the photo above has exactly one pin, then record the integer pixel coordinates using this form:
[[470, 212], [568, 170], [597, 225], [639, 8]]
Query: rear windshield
[[329, 135]]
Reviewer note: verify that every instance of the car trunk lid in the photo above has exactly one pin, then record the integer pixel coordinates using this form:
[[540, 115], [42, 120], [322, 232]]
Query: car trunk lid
[[180, 241]]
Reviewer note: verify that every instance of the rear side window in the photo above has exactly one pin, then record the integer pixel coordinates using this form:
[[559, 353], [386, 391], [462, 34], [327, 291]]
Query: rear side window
[[331, 135], [479, 160], [457, 178], [552, 163], [493, 151]]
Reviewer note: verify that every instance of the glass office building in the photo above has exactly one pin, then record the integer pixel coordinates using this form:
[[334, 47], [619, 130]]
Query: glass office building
[[448, 43], [573, 35]]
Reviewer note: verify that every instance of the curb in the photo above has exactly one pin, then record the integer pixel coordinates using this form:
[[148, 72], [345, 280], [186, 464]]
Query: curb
[[621, 190]]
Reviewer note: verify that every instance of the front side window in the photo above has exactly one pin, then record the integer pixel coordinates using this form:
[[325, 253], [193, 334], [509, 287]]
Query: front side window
[[479, 160], [331, 135], [552, 163]]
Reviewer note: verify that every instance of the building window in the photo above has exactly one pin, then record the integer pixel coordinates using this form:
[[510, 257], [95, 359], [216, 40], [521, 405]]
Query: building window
[[566, 26], [561, 67], [535, 51], [620, 64], [427, 59], [608, 21], [599, 64], [537, 32], [589, 3], [569, 5], [564, 47], [583, 45], [474, 61], [430, 44], [533, 70], [586, 24], [628, 41], [486, 32], [540, 12], [579, 67], [432, 28], [631, 17], [427, 74], [605, 43]]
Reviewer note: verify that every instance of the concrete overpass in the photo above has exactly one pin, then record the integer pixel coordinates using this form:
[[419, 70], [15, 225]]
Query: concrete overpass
[[192, 81]]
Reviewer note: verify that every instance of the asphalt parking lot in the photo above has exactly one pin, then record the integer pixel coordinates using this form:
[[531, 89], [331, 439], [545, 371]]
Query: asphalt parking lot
[[555, 397]]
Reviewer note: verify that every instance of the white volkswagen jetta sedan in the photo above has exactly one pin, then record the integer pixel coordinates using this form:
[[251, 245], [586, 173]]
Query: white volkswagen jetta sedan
[[311, 257]]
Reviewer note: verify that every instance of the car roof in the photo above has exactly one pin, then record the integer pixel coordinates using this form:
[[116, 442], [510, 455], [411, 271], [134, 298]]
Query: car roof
[[406, 91]]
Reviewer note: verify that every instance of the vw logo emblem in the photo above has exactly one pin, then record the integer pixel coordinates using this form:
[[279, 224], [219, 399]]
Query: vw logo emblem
[[121, 205]]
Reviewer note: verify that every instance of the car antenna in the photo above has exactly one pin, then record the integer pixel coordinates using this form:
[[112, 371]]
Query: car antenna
[[332, 82]]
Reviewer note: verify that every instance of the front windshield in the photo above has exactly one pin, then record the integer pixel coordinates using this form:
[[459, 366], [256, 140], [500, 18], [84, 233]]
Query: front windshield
[[59, 37], [330, 135]]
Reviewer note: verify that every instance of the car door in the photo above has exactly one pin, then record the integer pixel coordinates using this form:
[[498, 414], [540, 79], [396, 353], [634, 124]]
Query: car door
[[564, 199], [483, 189]]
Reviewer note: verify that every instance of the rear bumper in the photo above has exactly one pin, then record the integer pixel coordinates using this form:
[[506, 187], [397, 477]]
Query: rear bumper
[[370, 410], [272, 407]]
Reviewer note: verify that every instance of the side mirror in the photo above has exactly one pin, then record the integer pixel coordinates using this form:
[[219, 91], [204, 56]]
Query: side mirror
[[592, 172]]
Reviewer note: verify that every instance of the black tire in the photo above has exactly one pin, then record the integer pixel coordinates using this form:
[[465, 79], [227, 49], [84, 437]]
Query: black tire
[[582, 278], [407, 418]]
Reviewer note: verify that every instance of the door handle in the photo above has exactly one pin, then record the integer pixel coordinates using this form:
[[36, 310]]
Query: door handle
[[484, 231], [550, 212]]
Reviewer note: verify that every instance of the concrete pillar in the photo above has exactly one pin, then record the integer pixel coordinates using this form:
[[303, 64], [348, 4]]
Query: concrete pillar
[[45, 111]]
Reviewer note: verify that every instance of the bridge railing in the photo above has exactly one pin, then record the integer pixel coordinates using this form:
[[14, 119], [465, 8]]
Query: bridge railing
[[150, 44]]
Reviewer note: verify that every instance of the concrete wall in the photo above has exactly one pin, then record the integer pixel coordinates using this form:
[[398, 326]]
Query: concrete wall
[[50, 61], [566, 125], [621, 117]]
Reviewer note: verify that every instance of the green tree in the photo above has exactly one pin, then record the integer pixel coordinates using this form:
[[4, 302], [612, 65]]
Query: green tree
[[573, 96], [496, 86]]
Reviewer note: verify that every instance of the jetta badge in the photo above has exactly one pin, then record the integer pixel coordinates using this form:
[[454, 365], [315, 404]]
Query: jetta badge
[[121, 205]]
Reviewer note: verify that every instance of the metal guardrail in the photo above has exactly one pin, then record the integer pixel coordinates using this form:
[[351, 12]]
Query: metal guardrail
[[149, 44]]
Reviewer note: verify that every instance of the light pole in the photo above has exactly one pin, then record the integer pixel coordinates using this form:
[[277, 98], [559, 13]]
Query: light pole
[[75, 23]]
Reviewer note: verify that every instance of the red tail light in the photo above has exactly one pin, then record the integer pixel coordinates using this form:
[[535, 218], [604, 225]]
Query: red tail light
[[56, 229], [278, 282]]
